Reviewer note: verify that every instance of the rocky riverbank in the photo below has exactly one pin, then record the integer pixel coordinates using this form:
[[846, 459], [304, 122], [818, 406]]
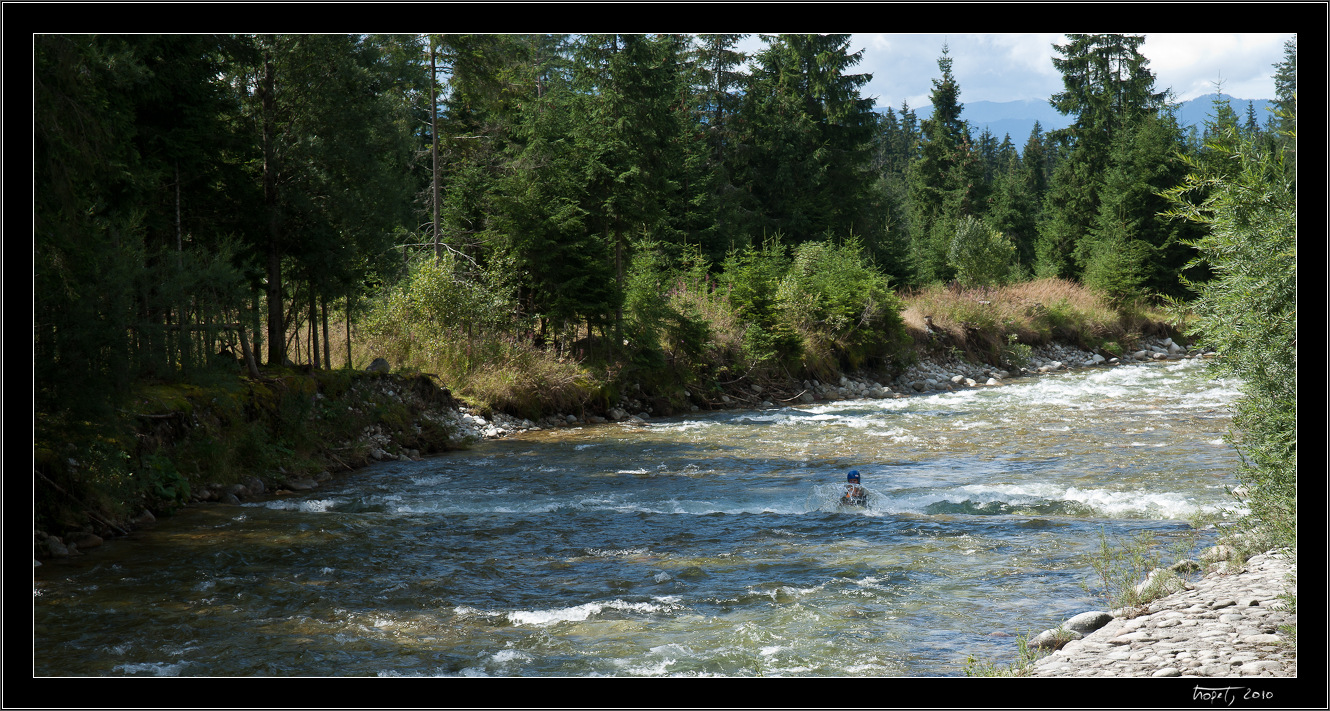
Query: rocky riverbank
[[932, 374], [1233, 622]]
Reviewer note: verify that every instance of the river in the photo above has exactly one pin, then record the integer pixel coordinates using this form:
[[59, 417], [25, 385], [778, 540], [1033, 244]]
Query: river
[[702, 545]]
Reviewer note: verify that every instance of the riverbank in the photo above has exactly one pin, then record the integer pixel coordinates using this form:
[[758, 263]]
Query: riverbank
[[931, 373], [1233, 622]]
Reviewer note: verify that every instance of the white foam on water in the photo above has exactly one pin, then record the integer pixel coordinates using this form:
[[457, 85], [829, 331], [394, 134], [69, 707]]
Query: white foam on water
[[617, 552], [581, 613], [151, 668], [1164, 505], [686, 425], [431, 479], [580, 447], [307, 505]]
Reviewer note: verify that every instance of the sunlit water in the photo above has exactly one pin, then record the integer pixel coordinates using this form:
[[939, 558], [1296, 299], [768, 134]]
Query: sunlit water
[[707, 545]]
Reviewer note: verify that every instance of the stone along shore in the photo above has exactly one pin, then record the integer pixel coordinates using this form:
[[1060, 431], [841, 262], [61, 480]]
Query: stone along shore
[[1225, 625]]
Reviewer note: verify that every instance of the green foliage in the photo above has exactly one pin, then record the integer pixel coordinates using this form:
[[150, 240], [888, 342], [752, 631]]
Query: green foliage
[[981, 256], [806, 139], [751, 278], [839, 301], [1015, 352], [1123, 566], [1248, 313], [1110, 89], [165, 487], [946, 180], [1117, 267]]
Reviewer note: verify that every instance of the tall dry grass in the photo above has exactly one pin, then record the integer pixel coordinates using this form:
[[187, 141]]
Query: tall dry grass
[[493, 372], [981, 320]]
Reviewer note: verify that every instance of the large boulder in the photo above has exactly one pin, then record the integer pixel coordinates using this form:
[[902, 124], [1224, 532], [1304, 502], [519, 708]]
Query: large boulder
[[378, 366], [1087, 622]]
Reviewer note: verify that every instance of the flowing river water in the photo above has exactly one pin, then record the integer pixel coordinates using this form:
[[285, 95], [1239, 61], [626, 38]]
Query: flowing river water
[[703, 545]]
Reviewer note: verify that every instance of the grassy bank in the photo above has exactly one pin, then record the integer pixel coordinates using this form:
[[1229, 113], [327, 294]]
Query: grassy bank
[[168, 441], [704, 344]]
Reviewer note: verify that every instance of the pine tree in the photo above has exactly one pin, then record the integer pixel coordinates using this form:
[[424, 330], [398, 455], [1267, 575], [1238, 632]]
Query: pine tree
[[714, 66], [1131, 250], [1286, 103], [808, 138], [1108, 87], [946, 179]]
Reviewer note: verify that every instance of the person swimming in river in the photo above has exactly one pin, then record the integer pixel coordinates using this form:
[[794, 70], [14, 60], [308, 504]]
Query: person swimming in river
[[855, 495]]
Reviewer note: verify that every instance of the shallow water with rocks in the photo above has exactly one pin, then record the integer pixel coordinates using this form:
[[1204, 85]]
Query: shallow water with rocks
[[709, 544]]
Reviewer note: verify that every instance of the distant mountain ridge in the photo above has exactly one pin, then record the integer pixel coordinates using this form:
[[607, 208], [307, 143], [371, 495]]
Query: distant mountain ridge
[[1017, 118]]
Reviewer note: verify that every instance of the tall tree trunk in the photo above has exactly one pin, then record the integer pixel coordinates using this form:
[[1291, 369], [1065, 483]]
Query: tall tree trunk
[[255, 311], [348, 331], [276, 326], [327, 349], [179, 239], [313, 329]]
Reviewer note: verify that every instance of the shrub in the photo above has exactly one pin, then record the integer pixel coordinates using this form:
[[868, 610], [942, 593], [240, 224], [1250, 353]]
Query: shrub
[[980, 256], [841, 304], [751, 279]]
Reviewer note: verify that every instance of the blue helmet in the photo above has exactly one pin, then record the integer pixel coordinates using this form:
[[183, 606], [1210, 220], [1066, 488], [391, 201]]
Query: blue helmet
[[852, 476]]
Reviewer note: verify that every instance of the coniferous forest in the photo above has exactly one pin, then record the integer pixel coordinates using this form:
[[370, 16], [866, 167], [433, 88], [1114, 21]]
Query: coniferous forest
[[540, 220]]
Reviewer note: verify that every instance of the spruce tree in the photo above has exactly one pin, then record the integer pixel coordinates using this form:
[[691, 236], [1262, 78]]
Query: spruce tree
[[808, 138], [946, 179], [717, 202], [1108, 87]]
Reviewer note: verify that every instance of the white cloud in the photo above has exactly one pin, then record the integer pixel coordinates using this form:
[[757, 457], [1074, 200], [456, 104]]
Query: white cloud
[[1011, 67], [1190, 64]]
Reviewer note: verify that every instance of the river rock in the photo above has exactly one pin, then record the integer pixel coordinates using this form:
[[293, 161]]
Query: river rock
[[301, 483], [55, 547], [379, 365], [1230, 623], [1160, 582], [1087, 622], [255, 485], [84, 540], [1052, 638], [1214, 554]]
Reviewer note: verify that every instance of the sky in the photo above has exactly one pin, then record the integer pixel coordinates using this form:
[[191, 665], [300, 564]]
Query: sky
[[1013, 67]]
